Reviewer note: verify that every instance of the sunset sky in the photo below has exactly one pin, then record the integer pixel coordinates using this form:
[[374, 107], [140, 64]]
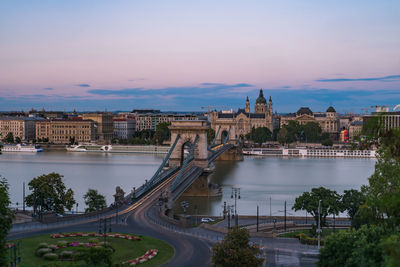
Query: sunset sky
[[184, 55]]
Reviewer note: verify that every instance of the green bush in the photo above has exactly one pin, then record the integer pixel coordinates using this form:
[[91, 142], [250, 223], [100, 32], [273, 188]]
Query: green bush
[[62, 243], [305, 239], [94, 240], [41, 251], [43, 245], [53, 247], [66, 254], [50, 256]]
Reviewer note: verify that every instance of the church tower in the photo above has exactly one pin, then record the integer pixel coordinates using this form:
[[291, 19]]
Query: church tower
[[247, 107], [270, 105], [261, 103]]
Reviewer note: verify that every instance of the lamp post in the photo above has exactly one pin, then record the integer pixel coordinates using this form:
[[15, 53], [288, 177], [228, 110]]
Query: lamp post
[[236, 194], [104, 222], [15, 254], [319, 224]]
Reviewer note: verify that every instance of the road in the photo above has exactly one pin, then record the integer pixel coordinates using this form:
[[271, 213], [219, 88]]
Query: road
[[189, 251], [192, 245]]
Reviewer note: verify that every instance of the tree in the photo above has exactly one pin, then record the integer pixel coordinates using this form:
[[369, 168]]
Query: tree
[[6, 216], [351, 201], [50, 194], [330, 203], [210, 135], [260, 135], [18, 140], [282, 135], [391, 250], [360, 247], [9, 138], [312, 132], [327, 142], [383, 192], [94, 200], [234, 250], [162, 133]]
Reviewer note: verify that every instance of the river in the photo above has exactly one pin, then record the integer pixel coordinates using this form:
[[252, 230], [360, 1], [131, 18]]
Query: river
[[259, 179]]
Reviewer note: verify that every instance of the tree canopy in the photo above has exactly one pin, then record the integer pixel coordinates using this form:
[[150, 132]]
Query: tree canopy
[[235, 250], [162, 133], [9, 138], [50, 194], [330, 203], [375, 240], [351, 201], [259, 135], [94, 200], [293, 132], [6, 216]]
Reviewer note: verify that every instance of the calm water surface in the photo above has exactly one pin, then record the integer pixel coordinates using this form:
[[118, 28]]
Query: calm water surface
[[259, 178]]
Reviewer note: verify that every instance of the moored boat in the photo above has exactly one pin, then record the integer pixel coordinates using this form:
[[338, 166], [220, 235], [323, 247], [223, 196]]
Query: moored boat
[[21, 148]]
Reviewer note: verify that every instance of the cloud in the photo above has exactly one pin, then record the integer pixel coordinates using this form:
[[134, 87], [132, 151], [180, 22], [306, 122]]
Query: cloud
[[227, 85], [48, 89], [203, 90], [83, 85], [390, 78], [122, 92]]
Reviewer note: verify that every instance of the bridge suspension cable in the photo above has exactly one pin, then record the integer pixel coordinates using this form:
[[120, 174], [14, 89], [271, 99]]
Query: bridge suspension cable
[[215, 137], [178, 180], [154, 178], [227, 136]]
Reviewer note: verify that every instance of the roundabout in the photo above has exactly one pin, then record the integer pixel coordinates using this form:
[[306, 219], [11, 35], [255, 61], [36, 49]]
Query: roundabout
[[64, 249]]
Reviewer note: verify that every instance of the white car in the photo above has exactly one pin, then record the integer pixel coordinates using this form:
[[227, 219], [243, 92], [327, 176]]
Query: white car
[[207, 220]]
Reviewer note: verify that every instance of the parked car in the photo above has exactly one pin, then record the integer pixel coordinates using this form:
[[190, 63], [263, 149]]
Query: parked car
[[207, 220]]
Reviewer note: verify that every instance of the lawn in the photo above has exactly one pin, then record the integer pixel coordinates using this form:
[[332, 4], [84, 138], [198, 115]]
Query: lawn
[[124, 250]]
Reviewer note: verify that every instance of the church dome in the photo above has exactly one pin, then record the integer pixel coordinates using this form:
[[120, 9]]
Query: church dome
[[261, 99], [331, 109], [304, 110]]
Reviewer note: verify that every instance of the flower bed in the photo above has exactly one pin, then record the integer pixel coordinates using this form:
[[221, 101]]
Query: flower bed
[[151, 253], [124, 236]]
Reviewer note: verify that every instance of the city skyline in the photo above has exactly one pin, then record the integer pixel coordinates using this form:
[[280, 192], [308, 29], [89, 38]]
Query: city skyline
[[180, 56]]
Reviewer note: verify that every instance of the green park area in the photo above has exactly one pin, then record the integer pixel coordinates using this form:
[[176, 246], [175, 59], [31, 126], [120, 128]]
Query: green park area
[[90, 249]]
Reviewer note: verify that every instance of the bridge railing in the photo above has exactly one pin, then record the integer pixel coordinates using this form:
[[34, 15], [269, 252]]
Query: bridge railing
[[178, 180], [155, 176]]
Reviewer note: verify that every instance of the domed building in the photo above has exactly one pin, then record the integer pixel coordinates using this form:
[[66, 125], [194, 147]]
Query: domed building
[[328, 121], [242, 121]]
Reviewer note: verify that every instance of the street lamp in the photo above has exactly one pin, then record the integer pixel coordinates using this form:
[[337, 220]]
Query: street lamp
[[15, 254], [319, 224], [106, 222], [235, 193]]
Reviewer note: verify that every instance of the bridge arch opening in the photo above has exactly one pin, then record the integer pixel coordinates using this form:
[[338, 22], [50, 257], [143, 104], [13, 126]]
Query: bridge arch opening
[[185, 151], [241, 139], [224, 134]]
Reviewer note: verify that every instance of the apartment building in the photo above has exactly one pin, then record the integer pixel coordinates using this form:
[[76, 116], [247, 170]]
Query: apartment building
[[104, 123], [63, 131], [124, 128], [22, 127]]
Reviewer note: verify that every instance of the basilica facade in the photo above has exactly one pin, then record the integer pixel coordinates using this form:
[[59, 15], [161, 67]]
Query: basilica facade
[[241, 122]]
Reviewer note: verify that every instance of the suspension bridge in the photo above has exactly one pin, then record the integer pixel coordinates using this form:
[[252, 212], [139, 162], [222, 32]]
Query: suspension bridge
[[188, 158]]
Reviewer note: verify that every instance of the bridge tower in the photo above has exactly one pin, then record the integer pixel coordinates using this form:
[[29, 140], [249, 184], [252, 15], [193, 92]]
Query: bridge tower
[[190, 132], [225, 131]]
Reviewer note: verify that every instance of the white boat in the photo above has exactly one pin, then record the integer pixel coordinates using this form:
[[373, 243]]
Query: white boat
[[89, 148], [310, 152], [21, 148]]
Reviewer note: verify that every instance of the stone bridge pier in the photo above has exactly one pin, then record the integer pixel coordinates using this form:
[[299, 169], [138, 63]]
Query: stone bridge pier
[[188, 130]]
